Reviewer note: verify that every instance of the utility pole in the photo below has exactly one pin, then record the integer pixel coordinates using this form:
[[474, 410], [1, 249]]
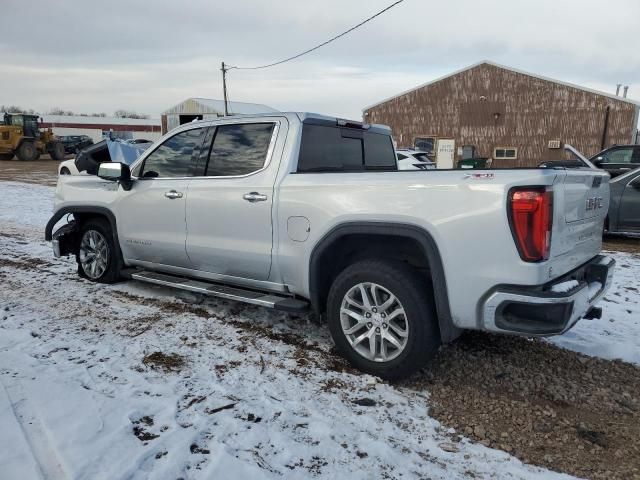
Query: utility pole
[[224, 89]]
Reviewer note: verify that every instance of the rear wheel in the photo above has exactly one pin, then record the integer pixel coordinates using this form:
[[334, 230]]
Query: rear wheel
[[382, 319], [65, 171], [98, 258], [56, 151], [27, 152], [6, 156]]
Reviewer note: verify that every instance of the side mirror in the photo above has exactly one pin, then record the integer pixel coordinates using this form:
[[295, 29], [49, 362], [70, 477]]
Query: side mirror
[[598, 161], [116, 172]]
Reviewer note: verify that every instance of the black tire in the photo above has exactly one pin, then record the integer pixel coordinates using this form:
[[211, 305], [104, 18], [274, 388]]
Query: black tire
[[65, 171], [113, 261], [6, 156], [56, 151], [27, 152], [414, 295]]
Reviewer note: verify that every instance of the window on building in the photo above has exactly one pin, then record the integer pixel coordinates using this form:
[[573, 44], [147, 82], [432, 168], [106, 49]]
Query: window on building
[[174, 157], [239, 149], [333, 149], [505, 153]]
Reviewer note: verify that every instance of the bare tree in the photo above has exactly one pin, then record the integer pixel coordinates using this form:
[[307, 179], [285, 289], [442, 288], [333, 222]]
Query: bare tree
[[129, 114]]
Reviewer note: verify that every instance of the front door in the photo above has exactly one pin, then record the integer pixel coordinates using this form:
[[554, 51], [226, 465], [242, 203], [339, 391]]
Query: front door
[[445, 153], [229, 229], [151, 216], [629, 212]]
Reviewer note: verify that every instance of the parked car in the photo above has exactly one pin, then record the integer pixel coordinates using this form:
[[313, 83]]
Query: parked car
[[297, 211], [414, 160], [618, 159], [75, 143], [624, 208]]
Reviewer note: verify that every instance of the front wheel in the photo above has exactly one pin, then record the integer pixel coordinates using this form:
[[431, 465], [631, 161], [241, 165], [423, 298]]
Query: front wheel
[[382, 319], [27, 152], [56, 151], [97, 257]]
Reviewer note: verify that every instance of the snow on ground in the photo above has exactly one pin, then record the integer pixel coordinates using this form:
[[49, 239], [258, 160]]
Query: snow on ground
[[260, 395], [617, 334]]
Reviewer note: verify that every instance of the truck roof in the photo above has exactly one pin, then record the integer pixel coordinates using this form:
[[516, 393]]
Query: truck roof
[[316, 119]]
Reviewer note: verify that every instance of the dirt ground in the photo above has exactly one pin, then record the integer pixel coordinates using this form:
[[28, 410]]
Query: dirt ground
[[547, 406], [43, 171]]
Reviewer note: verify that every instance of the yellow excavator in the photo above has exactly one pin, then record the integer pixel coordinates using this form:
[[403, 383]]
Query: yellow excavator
[[20, 136]]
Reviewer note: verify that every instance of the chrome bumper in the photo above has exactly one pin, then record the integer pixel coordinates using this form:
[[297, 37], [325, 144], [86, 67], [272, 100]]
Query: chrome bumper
[[537, 310]]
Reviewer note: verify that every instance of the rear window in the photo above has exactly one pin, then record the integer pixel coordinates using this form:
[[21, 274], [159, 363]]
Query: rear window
[[333, 149]]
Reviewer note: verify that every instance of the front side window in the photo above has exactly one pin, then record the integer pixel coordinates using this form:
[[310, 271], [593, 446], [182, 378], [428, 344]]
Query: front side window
[[620, 155], [239, 149], [173, 157]]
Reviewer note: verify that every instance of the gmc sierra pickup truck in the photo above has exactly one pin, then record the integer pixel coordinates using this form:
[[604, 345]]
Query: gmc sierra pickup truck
[[297, 211]]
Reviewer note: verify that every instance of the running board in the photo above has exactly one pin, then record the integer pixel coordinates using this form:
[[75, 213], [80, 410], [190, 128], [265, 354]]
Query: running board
[[269, 300]]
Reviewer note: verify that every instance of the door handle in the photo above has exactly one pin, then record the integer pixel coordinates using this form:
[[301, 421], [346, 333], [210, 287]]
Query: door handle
[[254, 197], [172, 194]]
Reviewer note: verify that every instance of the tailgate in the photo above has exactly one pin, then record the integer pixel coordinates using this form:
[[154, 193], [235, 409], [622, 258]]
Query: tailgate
[[586, 194], [581, 201]]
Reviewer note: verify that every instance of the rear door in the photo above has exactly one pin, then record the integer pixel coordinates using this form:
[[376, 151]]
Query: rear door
[[629, 210], [229, 204]]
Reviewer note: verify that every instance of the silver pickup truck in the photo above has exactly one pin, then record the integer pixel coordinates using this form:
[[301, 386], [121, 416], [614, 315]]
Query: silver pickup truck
[[297, 211]]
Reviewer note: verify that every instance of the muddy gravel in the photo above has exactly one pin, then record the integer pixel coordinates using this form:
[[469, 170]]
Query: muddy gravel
[[42, 172], [547, 406]]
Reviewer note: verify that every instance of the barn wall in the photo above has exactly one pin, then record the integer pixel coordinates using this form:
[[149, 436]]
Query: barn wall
[[488, 106]]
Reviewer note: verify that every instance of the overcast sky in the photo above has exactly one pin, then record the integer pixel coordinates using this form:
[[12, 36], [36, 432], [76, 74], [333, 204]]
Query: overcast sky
[[149, 55]]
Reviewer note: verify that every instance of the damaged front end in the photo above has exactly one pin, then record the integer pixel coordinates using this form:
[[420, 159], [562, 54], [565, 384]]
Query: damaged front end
[[66, 239]]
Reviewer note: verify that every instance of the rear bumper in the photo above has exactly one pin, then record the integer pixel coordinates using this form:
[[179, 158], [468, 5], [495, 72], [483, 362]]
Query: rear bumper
[[548, 309]]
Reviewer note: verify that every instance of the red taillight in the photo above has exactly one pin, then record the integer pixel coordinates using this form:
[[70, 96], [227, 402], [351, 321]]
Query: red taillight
[[531, 219]]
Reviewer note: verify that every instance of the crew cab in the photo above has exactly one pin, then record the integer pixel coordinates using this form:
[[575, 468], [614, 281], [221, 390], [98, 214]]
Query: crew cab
[[298, 211]]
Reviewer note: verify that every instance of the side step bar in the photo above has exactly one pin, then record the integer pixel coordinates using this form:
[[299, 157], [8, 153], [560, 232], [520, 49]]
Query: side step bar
[[269, 300]]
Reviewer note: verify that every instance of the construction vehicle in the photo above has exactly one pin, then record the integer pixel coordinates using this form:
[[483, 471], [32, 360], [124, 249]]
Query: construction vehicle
[[20, 135]]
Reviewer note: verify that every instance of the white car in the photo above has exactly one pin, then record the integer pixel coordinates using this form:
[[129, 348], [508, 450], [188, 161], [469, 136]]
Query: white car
[[68, 167], [414, 160]]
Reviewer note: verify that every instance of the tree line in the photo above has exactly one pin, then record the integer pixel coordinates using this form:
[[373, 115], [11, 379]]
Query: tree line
[[122, 113]]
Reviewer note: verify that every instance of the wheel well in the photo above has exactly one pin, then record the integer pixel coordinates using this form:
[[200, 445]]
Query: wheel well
[[408, 244]]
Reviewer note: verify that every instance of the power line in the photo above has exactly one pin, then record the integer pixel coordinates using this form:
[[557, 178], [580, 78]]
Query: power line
[[318, 46]]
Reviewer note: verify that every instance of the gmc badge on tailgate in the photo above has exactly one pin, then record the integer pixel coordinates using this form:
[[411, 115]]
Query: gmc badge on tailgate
[[594, 203]]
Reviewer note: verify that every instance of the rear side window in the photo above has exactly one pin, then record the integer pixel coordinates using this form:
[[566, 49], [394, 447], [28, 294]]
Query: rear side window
[[173, 157], [239, 149], [333, 149]]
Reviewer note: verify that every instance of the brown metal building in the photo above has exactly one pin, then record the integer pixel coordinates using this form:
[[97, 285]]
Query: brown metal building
[[512, 117]]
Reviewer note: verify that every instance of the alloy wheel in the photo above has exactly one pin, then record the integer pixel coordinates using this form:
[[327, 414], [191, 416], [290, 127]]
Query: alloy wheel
[[94, 254], [374, 322]]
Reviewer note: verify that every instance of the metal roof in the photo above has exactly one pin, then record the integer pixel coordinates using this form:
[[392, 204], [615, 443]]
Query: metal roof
[[209, 105], [504, 67]]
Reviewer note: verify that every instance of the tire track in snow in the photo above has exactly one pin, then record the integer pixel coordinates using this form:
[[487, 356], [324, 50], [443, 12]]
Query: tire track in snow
[[37, 437]]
